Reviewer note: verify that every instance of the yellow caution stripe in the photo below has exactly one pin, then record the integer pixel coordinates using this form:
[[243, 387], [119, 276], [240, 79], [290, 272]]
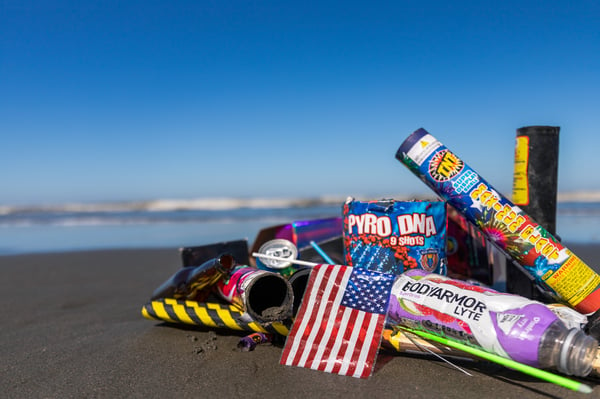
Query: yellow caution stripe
[[207, 314]]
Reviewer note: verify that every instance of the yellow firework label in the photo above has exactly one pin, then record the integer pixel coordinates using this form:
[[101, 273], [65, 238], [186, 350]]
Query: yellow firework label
[[520, 180]]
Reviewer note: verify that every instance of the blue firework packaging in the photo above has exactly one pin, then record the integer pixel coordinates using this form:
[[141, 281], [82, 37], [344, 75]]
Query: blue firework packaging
[[391, 236], [556, 269]]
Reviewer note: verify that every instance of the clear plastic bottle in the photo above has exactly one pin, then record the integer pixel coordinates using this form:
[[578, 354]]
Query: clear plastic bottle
[[569, 351]]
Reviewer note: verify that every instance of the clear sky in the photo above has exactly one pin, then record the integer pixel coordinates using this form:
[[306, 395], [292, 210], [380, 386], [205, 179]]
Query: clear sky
[[131, 100]]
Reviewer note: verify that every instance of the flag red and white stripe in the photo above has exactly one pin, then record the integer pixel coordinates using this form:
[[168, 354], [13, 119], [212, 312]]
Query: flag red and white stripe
[[339, 325]]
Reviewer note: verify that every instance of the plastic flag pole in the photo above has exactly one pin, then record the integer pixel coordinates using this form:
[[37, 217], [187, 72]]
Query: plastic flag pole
[[295, 261]]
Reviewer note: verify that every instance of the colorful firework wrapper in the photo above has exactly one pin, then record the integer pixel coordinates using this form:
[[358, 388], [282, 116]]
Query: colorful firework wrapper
[[554, 267], [249, 342], [391, 236], [264, 295]]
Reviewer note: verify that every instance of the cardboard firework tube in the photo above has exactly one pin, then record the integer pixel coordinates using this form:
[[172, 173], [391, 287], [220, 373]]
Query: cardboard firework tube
[[535, 182], [531, 247], [535, 178], [265, 296], [299, 281], [208, 314]]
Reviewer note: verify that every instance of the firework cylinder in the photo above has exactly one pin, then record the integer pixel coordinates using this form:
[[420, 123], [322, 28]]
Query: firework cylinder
[[553, 266], [265, 296], [534, 190]]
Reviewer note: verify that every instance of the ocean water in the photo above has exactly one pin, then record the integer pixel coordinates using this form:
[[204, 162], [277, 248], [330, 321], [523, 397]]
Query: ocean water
[[174, 224], [157, 224]]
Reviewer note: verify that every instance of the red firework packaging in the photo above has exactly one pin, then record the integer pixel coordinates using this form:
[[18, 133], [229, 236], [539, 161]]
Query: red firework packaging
[[391, 236]]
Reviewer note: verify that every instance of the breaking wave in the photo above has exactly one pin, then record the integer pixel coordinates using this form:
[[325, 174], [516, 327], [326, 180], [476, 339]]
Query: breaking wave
[[171, 205], [221, 210]]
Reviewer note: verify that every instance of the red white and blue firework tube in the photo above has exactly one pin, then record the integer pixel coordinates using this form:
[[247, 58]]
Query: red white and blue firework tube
[[530, 245]]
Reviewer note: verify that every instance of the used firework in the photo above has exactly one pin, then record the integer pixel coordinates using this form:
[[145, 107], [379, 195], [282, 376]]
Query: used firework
[[535, 182], [531, 246], [264, 295], [249, 342], [209, 315]]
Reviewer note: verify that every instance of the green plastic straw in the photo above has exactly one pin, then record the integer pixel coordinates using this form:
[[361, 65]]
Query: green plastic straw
[[524, 368]]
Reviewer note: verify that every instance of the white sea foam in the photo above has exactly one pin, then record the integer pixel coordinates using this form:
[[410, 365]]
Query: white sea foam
[[167, 211], [169, 205], [99, 222]]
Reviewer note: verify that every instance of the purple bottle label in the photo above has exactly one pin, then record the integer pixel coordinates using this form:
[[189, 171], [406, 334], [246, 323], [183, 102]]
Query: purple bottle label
[[520, 331]]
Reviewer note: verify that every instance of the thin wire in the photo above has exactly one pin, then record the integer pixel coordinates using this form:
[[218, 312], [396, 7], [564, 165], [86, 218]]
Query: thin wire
[[408, 335]]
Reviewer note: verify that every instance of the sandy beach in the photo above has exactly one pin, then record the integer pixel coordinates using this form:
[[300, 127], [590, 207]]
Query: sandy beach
[[72, 327]]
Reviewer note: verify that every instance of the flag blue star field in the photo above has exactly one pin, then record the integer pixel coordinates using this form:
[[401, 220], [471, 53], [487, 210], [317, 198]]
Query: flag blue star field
[[339, 325]]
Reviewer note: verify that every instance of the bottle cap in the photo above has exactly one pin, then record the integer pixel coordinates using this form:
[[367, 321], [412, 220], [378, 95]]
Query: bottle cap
[[280, 248]]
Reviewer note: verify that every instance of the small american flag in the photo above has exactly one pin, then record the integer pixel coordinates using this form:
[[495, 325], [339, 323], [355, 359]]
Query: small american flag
[[338, 327]]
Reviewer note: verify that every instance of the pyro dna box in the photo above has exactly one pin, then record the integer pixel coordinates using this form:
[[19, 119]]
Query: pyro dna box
[[391, 236]]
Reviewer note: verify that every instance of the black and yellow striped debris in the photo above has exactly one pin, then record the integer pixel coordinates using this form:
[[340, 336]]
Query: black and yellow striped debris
[[207, 314], [217, 315]]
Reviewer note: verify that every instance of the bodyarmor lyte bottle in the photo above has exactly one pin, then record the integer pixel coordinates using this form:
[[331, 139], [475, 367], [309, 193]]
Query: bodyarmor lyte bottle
[[508, 325]]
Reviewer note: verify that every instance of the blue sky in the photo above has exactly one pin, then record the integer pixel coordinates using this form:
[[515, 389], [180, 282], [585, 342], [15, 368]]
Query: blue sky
[[131, 100]]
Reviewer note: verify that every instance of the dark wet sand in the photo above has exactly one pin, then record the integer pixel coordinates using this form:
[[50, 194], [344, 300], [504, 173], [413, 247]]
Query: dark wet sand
[[72, 328]]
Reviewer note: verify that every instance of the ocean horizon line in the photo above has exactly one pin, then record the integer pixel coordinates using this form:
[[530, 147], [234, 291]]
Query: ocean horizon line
[[230, 203]]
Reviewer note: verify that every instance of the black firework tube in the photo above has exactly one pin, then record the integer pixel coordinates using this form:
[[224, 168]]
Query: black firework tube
[[535, 177], [299, 281], [535, 182]]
